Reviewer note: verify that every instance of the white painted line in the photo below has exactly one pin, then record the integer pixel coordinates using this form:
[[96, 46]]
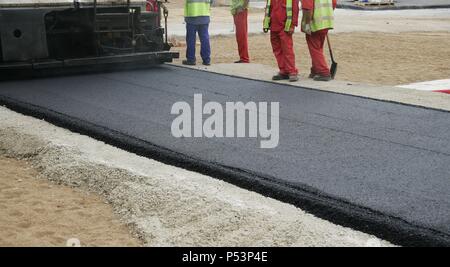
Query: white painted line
[[442, 86]]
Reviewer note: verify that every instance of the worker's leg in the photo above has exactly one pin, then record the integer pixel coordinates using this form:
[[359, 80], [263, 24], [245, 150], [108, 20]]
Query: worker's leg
[[240, 21], [277, 51], [205, 50], [288, 55], [191, 39], [315, 45]]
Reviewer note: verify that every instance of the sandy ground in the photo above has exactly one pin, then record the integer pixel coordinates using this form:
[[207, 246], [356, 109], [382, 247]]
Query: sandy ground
[[375, 47], [35, 212], [374, 58], [166, 206], [396, 21]]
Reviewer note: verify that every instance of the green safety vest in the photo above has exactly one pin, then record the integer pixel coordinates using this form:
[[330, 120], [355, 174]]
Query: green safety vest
[[323, 17], [287, 24], [197, 8], [235, 4]]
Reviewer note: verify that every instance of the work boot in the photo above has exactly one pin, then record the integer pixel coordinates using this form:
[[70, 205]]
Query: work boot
[[321, 78], [279, 77], [206, 63], [312, 75], [293, 78], [189, 63]]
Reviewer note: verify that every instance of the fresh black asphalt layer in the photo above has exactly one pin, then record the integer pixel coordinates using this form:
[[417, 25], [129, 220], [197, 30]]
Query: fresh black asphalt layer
[[379, 167]]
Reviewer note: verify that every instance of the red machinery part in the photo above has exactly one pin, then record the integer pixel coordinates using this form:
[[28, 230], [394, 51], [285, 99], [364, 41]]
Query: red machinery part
[[447, 91], [152, 5]]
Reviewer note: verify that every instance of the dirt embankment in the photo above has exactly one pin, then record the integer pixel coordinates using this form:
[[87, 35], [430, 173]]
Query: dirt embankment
[[36, 212]]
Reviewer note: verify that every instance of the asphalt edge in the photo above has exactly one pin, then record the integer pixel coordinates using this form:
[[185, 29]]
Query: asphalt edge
[[342, 213], [315, 89]]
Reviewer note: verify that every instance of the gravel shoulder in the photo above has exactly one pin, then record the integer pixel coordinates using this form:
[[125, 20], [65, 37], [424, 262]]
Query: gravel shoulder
[[166, 206]]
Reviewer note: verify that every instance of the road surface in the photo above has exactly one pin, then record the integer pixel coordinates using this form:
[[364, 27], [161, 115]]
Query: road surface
[[379, 167]]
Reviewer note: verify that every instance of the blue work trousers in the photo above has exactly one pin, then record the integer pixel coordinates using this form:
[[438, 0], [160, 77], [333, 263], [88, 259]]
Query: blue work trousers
[[191, 39]]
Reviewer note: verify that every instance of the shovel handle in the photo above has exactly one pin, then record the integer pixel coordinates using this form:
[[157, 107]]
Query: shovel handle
[[329, 47]]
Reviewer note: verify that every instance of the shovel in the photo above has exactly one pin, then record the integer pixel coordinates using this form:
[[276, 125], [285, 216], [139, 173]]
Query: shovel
[[333, 68]]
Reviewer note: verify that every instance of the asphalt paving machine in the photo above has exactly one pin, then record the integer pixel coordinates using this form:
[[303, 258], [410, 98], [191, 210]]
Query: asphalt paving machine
[[39, 37]]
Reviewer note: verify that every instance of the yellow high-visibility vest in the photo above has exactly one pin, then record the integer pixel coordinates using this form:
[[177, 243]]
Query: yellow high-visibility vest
[[197, 8], [323, 17], [287, 24]]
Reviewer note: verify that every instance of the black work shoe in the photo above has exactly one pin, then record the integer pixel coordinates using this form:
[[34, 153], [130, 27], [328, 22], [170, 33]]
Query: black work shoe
[[189, 63], [241, 61], [293, 78], [279, 77], [206, 63], [321, 78], [311, 76]]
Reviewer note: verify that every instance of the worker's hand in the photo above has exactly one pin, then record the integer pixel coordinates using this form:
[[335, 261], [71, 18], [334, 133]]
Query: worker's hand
[[307, 29], [291, 30]]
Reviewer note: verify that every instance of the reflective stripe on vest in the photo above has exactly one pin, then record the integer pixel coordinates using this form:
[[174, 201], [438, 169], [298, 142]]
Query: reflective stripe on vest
[[288, 23], [197, 8], [323, 15]]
